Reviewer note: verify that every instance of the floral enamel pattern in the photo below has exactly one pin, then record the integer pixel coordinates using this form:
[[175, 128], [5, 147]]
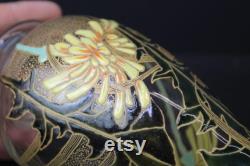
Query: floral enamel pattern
[[98, 58], [86, 80]]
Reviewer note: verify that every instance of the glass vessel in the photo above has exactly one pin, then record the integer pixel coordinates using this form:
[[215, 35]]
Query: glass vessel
[[71, 85]]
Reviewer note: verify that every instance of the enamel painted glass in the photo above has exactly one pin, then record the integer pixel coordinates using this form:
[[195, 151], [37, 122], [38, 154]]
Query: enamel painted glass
[[77, 82]]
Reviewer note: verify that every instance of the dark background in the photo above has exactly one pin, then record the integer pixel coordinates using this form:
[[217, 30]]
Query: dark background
[[212, 37]]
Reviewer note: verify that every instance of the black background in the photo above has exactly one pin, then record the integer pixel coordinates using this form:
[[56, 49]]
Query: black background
[[212, 37]]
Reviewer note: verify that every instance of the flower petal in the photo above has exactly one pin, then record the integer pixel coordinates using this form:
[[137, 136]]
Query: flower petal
[[111, 36], [55, 52], [72, 39], [90, 76], [79, 50], [96, 26], [94, 62], [75, 59], [104, 50], [112, 58], [127, 50], [84, 88], [130, 70], [63, 86], [129, 45], [103, 69], [82, 75], [113, 25], [114, 43], [77, 72], [102, 60], [56, 80], [138, 66], [86, 33], [87, 42], [129, 98], [104, 90], [111, 69], [62, 47], [143, 94], [105, 23], [121, 40], [119, 113]]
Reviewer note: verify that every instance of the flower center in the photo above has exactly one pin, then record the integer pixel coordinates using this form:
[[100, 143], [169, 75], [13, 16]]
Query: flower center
[[94, 51]]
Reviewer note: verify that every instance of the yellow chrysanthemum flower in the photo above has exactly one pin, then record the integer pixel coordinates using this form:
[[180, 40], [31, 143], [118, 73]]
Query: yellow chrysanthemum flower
[[94, 56]]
